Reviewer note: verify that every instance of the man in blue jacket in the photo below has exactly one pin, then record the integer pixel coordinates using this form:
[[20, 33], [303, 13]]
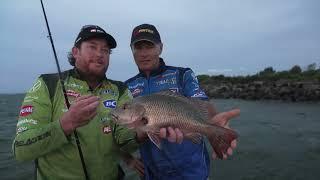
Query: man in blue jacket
[[174, 161]]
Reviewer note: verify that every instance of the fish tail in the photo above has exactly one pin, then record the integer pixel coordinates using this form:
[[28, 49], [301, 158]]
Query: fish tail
[[220, 139]]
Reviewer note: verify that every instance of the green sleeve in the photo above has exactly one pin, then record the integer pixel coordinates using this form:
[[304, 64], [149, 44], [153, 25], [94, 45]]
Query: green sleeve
[[123, 136], [36, 134]]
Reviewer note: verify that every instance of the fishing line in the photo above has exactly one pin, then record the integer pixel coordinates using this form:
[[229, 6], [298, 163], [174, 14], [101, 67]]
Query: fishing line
[[64, 93]]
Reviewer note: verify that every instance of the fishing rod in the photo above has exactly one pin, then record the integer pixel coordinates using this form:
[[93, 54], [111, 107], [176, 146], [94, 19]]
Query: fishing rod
[[65, 93]]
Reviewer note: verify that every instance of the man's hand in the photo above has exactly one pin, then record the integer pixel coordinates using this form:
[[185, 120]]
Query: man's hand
[[132, 162], [80, 113], [173, 135], [135, 164], [222, 119]]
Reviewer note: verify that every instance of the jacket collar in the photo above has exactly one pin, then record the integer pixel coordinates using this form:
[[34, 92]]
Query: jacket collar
[[75, 73]]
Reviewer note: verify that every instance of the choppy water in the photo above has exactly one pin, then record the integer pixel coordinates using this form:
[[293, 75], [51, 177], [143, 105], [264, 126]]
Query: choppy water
[[278, 141]]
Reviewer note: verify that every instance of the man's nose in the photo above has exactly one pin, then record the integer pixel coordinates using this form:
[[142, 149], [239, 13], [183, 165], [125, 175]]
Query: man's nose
[[99, 52], [144, 52]]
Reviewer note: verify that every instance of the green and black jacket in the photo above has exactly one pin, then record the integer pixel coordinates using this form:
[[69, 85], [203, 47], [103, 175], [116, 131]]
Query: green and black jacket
[[40, 136]]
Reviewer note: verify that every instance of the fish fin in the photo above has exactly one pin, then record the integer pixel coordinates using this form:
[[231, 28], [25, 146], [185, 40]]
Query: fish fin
[[205, 107], [154, 137], [194, 137], [220, 139]]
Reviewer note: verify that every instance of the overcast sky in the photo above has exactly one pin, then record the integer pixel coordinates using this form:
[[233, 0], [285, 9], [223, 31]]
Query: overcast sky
[[230, 37]]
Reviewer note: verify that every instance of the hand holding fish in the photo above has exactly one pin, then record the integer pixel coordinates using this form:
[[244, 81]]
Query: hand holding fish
[[136, 165], [175, 117], [133, 163], [169, 133], [173, 135], [222, 119]]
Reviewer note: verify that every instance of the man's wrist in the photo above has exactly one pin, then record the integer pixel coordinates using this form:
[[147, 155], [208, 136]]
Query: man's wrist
[[66, 126]]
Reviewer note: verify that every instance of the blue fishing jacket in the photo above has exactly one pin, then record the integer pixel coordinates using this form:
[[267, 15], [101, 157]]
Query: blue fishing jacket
[[187, 161]]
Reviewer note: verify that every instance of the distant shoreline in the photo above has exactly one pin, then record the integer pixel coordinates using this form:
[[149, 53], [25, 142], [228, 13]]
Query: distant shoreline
[[293, 85], [11, 94], [259, 90]]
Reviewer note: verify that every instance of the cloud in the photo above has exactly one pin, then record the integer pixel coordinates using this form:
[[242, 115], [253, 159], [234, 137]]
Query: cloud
[[202, 35]]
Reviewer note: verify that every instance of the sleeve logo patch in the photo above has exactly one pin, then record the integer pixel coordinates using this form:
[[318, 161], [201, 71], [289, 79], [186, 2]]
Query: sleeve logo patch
[[27, 121], [110, 104], [26, 110]]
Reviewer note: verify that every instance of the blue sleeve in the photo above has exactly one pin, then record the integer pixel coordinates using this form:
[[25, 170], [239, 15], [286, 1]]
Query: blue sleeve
[[191, 87]]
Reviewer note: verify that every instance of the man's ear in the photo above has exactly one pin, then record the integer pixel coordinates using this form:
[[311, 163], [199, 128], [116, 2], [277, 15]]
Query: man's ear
[[75, 52]]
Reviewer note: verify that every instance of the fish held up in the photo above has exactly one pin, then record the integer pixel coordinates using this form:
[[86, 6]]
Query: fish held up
[[163, 109]]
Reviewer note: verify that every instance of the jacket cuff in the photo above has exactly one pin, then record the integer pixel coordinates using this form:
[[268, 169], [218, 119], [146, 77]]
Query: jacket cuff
[[59, 133]]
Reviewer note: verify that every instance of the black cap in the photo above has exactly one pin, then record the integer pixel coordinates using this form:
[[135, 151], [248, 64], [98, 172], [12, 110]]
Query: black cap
[[145, 32], [94, 31]]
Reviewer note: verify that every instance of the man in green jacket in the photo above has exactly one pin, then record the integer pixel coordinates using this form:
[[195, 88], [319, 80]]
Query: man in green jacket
[[45, 126]]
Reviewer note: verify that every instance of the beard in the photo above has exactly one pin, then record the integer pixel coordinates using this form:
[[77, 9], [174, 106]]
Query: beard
[[93, 74], [98, 73], [91, 69]]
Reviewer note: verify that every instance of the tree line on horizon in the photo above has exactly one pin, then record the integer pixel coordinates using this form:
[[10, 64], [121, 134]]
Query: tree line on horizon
[[311, 73]]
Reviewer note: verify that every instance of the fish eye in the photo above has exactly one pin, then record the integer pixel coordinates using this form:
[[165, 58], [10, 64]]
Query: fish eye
[[144, 120], [125, 106]]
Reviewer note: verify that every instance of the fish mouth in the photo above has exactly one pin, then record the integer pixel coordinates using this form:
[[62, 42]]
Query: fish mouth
[[117, 120]]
